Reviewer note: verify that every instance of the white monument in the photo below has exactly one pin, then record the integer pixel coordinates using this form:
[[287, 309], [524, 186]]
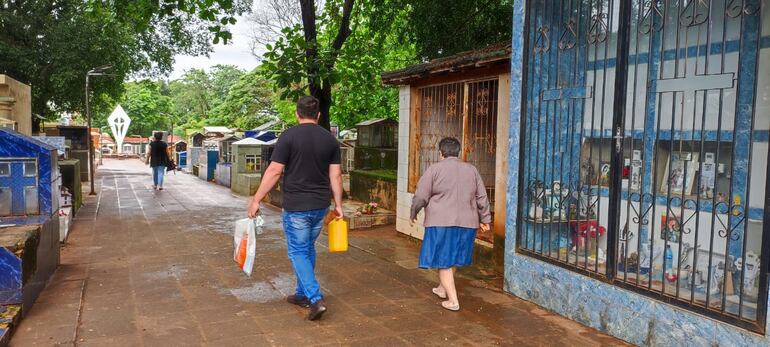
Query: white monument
[[119, 123]]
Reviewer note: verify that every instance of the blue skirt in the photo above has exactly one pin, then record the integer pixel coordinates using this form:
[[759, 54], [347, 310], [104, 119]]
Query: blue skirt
[[445, 247]]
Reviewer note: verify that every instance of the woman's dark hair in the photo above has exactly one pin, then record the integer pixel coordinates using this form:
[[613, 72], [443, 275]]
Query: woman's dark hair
[[307, 107], [158, 136], [449, 147]]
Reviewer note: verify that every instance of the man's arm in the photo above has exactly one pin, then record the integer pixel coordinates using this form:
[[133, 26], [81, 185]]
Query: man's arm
[[269, 179], [335, 175]]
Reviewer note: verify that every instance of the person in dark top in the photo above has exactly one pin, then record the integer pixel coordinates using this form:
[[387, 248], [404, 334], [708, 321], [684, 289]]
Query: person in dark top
[[157, 158], [308, 156]]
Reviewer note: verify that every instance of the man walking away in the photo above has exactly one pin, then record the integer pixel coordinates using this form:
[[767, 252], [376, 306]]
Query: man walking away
[[308, 156], [157, 158]]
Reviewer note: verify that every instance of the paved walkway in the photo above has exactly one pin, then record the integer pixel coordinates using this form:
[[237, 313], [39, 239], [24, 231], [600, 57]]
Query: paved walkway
[[147, 268]]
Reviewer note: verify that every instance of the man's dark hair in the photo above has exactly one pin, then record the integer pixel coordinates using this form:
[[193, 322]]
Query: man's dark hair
[[158, 136], [307, 107], [449, 147]]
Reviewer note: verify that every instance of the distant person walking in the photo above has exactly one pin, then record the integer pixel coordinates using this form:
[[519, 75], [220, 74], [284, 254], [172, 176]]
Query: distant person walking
[[308, 156], [157, 158], [456, 205]]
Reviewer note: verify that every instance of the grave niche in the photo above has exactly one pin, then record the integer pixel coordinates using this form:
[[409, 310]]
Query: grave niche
[[29, 217]]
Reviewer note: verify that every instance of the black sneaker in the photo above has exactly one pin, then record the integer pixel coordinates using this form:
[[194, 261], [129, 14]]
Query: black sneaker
[[317, 310], [298, 300]]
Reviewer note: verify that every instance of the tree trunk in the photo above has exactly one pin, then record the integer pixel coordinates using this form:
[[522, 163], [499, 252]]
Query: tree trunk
[[38, 108], [322, 89]]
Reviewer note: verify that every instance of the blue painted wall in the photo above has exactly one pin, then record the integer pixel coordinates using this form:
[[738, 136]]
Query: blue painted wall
[[16, 145], [618, 312]]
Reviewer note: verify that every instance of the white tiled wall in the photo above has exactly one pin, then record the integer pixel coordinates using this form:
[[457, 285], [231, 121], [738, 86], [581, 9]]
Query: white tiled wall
[[403, 224]]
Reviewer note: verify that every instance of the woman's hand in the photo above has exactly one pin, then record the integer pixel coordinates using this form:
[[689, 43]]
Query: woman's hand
[[484, 226]]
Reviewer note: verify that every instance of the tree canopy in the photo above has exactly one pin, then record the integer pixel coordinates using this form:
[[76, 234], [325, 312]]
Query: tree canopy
[[51, 44], [340, 58], [442, 28]]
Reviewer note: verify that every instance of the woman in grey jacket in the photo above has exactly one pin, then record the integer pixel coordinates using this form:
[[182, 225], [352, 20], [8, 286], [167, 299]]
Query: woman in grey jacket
[[456, 205]]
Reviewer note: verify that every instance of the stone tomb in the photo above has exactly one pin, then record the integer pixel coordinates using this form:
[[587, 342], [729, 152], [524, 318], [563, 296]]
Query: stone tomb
[[29, 217], [15, 104], [193, 159], [247, 165], [207, 164], [77, 137]]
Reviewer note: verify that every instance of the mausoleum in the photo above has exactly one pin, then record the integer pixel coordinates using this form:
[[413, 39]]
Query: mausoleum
[[247, 165], [638, 167], [15, 105], [465, 97]]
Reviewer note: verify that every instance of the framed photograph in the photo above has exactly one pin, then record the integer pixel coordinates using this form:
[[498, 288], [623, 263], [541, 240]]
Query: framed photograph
[[670, 228], [708, 177], [680, 173]]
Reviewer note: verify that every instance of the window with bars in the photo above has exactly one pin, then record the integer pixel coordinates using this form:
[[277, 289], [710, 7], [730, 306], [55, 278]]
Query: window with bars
[[253, 163]]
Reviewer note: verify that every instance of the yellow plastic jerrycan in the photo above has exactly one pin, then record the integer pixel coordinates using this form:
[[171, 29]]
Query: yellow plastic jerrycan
[[338, 235]]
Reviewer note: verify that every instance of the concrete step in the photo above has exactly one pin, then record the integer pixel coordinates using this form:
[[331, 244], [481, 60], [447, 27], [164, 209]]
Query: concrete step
[[10, 316], [29, 255]]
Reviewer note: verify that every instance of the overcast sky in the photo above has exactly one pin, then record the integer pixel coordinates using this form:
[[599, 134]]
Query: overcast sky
[[236, 52]]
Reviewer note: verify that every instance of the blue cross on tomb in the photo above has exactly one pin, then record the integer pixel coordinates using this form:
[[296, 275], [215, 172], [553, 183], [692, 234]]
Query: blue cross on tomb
[[16, 183]]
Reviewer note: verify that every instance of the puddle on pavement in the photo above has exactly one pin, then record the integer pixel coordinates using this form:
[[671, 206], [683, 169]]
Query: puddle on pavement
[[488, 296], [275, 288], [175, 272]]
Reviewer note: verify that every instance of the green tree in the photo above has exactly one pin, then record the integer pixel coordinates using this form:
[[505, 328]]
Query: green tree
[[303, 61], [375, 41], [378, 43], [248, 103], [51, 44], [442, 28], [147, 107], [191, 95], [222, 78]]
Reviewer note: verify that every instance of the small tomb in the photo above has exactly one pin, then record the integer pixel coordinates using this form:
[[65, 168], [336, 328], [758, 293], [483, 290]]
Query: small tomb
[[247, 166], [376, 162], [207, 163], [76, 138], [29, 217]]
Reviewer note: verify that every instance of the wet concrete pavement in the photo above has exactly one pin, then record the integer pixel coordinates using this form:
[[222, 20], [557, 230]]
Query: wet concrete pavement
[[147, 268]]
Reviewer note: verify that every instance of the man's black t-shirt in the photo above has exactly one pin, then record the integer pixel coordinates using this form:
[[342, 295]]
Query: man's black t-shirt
[[306, 150]]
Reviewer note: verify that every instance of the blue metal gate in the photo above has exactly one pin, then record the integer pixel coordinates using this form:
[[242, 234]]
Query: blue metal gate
[[645, 148]]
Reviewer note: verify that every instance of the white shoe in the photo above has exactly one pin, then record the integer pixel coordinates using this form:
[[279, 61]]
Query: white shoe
[[449, 306], [439, 293]]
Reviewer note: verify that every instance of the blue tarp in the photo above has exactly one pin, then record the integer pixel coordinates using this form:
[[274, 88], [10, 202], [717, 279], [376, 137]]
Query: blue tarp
[[265, 136]]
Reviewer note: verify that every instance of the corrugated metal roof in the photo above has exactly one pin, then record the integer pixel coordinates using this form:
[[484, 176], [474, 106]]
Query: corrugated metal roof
[[461, 61], [374, 121]]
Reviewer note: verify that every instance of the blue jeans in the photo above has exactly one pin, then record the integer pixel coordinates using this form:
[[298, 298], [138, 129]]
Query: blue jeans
[[157, 175], [302, 230]]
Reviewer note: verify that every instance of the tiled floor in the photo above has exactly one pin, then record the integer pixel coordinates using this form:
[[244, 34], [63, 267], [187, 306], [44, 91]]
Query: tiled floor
[[147, 268]]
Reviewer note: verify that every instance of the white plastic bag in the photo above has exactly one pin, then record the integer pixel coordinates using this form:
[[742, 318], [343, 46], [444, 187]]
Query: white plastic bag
[[244, 242]]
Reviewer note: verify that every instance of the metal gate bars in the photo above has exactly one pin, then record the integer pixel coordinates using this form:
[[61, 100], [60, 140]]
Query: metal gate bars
[[645, 148]]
